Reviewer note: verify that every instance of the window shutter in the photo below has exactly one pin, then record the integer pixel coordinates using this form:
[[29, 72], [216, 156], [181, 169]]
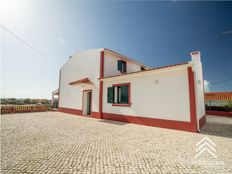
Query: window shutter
[[124, 67], [119, 65], [124, 94], [110, 95]]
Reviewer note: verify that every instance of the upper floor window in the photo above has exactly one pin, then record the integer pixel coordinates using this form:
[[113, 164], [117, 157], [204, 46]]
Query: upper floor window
[[122, 66]]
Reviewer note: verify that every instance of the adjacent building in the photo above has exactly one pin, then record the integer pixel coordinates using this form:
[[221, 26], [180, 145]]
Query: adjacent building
[[218, 98]]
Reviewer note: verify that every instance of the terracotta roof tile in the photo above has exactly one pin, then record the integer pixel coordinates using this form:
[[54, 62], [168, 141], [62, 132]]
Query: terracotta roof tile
[[218, 96]]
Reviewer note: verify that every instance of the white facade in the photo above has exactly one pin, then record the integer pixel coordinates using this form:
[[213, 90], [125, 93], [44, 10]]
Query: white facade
[[157, 94], [160, 94], [79, 66], [110, 65]]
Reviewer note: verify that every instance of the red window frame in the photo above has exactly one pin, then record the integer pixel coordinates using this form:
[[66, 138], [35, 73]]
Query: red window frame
[[129, 95]]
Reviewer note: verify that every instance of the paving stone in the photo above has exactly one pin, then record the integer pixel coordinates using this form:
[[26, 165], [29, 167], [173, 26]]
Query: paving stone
[[53, 142]]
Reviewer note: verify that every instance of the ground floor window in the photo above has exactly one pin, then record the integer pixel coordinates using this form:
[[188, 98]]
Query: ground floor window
[[119, 94]]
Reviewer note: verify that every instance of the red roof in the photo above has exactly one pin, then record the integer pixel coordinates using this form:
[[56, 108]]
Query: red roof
[[218, 96], [85, 80], [161, 67]]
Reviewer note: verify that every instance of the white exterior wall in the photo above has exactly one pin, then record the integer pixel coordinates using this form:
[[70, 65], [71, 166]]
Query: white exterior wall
[[199, 85], [111, 65], [163, 95], [81, 65]]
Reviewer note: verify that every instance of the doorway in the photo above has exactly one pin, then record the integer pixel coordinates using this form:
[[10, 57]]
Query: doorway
[[87, 102]]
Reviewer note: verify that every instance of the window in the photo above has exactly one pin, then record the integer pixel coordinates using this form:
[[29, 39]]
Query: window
[[122, 66], [122, 94], [142, 68], [110, 95], [119, 94]]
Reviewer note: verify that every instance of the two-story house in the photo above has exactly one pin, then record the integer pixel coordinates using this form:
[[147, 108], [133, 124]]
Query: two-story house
[[101, 83]]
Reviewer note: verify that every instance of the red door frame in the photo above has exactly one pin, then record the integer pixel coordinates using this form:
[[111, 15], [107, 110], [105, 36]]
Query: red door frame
[[90, 102]]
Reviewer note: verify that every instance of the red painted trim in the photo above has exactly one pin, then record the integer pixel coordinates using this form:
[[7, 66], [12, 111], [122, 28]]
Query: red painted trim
[[121, 104], [202, 121], [170, 124], [59, 90], [219, 113], [101, 82], [121, 84], [102, 64], [192, 99], [129, 95], [95, 114], [90, 101], [78, 112], [70, 111]]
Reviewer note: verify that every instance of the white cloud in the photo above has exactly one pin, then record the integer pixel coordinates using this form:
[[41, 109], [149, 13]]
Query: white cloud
[[227, 32], [61, 40], [207, 85]]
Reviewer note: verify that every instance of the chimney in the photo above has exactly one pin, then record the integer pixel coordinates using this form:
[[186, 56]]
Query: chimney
[[196, 56], [198, 84]]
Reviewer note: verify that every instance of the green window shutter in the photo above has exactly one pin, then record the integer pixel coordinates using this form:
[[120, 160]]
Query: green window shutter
[[124, 94], [110, 95], [124, 67], [119, 65]]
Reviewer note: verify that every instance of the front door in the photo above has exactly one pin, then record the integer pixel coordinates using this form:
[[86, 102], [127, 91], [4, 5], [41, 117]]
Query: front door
[[87, 97]]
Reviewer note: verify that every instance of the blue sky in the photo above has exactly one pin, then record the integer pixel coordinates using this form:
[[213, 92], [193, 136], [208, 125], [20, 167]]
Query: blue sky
[[155, 33]]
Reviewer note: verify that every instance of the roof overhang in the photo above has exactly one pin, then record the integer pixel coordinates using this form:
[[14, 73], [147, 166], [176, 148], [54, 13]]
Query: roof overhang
[[81, 81], [56, 92]]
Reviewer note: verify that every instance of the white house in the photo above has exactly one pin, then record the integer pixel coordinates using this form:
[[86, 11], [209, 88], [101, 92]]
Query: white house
[[101, 83]]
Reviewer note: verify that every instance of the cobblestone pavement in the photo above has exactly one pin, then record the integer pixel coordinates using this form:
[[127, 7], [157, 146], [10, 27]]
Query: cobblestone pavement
[[55, 142]]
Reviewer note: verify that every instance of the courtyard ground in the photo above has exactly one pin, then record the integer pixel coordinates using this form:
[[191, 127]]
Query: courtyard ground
[[53, 142]]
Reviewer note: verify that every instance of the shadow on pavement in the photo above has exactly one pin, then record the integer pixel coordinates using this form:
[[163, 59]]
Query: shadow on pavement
[[218, 126], [112, 122]]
